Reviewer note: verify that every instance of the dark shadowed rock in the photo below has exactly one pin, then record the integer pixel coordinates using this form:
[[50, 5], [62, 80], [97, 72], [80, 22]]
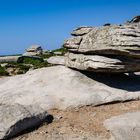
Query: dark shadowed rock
[[135, 19]]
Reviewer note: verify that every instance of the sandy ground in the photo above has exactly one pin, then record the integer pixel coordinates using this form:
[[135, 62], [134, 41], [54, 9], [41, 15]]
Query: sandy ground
[[85, 123]]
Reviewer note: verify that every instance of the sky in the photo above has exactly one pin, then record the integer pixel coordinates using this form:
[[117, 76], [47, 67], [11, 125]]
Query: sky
[[49, 22]]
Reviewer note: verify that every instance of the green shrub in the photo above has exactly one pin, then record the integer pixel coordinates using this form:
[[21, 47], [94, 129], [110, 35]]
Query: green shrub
[[22, 68], [35, 62], [62, 49], [45, 56], [3, 72]]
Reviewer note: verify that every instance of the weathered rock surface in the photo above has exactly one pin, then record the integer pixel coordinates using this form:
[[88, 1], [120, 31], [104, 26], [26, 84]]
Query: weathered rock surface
[[60, 87], [16, 118], [56, 60], [34, 50], [105, 64], [114, 48], [25, 99], [124, 127], [114, 40], [6, 59], [81, 31], [58, 53]]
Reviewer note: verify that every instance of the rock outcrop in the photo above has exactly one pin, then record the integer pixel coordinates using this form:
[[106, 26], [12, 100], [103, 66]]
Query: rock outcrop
[[6, 59], [120, 43], [56, 60], [98, 63], [16, 118], [25, 99], [124, 127], [34, 50], [60, 87]]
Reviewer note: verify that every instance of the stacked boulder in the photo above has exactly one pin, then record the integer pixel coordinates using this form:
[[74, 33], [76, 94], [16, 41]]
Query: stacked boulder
[[34, 50], [109, 49]]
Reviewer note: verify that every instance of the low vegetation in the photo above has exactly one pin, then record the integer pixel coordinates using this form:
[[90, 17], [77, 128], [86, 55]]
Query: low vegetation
[[63, 50], [3, 72], [13, 68]]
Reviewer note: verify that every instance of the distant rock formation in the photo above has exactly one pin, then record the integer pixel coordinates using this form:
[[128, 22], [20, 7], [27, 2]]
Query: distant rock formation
[[6, 59], [114, 48], [34, 50]]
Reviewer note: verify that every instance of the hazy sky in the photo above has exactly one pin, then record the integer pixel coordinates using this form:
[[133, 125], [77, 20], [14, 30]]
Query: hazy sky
[[49, 22]]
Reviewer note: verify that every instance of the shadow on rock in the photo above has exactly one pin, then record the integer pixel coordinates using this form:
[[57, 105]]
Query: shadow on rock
[[129, 82], [49, 119]]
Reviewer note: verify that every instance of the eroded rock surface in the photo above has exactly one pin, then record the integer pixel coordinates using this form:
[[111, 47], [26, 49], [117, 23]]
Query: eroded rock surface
[[124, 127], [99, 63], [16, 118], [116, 40], [118, 44], [56, 60], [25, 99], [60, 87]]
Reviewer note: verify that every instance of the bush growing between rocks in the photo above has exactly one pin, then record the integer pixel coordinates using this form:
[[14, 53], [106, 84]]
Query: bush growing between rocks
[[36, 63], [3, 72], [63, 50]]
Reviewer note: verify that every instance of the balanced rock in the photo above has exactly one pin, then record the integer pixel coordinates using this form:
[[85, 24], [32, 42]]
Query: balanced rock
[[34, 50], [121, 43]]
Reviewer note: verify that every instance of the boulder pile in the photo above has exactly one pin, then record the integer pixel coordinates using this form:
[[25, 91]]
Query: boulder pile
[[109, 49]]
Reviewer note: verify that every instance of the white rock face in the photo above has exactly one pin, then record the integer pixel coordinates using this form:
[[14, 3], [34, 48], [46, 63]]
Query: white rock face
[[120, 43], [81, 31], [114, 40], [124, 127], [25, 99], [60, 87], [6, 59], [56, 60], [104, 64], [16, 118]]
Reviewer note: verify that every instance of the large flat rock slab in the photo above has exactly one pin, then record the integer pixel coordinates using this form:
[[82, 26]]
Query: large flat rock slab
[[110, 48], [6, 59], [109, 40], [102, 64], [124, 127], [56, 60], [16, 118], [60, 87]]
